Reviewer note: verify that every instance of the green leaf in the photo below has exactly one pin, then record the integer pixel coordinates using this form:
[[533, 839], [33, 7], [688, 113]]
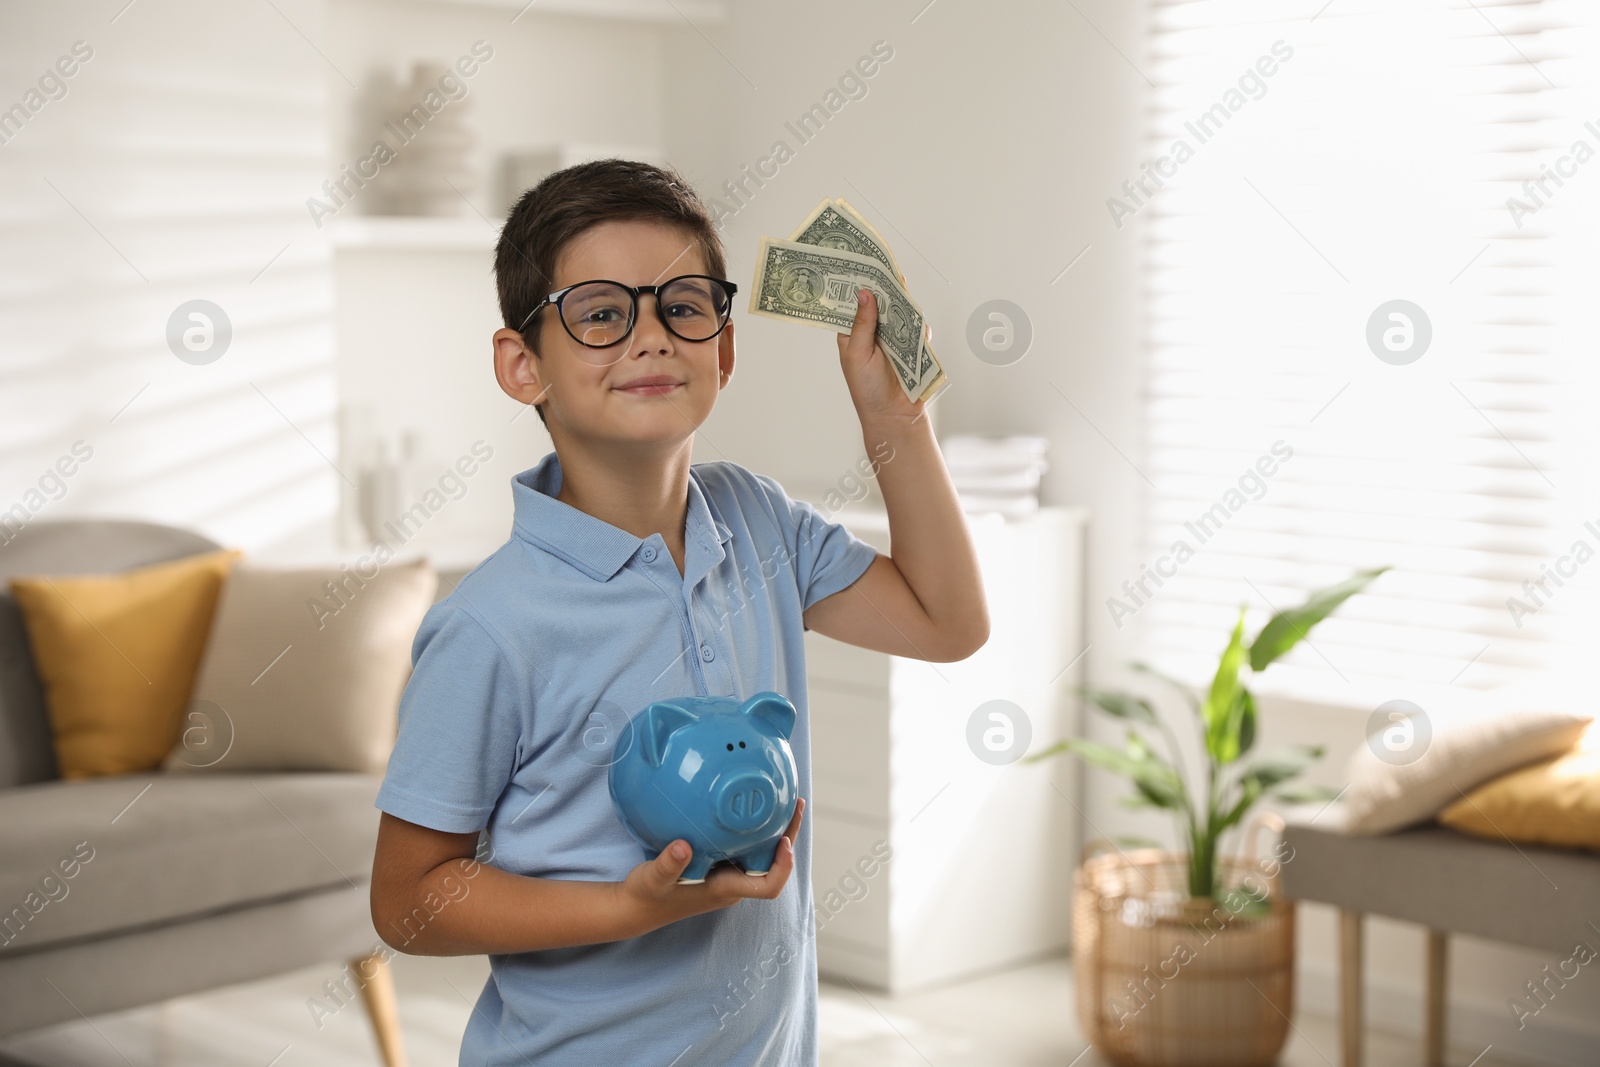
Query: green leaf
[[1281, 765], [1160, 794], [1239, 732], [1304, 794], [1093, 752], [1249, 793], [1155, 779], [1122, 705], [1285, 629], [1187, 692], [1054, 750], [1221, 702], [1247, 721]]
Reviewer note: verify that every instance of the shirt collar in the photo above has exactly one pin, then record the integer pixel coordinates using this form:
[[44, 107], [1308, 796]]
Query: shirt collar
[[593, 545]]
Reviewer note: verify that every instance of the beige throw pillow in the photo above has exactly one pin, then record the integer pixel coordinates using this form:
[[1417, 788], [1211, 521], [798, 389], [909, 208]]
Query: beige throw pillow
[[1481, 737], [304, 669]]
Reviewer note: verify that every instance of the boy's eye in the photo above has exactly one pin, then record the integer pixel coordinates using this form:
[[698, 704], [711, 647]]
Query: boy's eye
[[684, 311]]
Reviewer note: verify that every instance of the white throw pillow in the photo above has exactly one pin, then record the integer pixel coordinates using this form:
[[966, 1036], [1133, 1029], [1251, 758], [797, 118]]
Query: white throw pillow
[[303, 669], [1484, 736]]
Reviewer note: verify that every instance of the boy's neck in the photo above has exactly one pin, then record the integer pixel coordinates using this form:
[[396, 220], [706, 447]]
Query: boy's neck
[[642, 494]]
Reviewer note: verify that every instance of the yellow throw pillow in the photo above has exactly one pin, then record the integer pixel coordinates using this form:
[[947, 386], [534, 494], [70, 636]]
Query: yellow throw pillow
[[117, 654], [1556, 802]]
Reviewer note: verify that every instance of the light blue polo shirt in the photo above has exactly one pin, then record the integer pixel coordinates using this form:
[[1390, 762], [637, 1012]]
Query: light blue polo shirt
[[522, 678]]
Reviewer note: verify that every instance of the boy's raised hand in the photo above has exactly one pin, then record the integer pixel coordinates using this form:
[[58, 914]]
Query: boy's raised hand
[[651, 890], [874, 388]]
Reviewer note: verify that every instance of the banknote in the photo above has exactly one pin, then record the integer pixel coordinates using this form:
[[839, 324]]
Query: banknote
[[834, 227], [834, 224], [817, 287]]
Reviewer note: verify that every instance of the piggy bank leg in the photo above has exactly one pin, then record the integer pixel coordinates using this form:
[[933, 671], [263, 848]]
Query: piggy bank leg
[[759, 860], [695, 873]]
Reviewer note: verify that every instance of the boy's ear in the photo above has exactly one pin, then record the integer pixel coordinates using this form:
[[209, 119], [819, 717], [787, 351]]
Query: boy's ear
[[725, 354], [516, 368]]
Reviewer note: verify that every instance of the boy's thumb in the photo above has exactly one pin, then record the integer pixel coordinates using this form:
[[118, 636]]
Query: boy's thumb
[[673, 859], [866, 313]]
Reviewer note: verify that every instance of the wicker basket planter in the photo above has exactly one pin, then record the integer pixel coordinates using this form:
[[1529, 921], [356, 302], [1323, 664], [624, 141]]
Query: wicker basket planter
[[1168, 980]]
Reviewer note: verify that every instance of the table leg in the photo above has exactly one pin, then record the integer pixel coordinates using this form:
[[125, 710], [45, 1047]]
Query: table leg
[[1438, 960], [1350, 967]]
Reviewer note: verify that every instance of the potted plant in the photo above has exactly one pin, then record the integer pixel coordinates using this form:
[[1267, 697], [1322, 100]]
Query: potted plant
[[1186, 958]]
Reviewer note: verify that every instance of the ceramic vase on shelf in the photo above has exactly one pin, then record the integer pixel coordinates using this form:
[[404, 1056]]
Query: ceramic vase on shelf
[[429, 139], [383, 468]]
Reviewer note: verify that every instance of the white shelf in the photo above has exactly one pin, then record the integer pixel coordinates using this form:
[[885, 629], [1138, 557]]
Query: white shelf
[[414, 233], [698, 12]]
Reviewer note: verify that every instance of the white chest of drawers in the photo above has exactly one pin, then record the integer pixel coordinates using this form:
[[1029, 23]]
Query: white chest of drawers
[[980, 857]]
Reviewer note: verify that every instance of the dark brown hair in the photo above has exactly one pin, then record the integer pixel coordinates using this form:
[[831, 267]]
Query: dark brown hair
[[569, 202]]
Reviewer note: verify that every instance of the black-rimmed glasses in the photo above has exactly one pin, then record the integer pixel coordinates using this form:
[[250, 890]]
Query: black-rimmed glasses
[[602, 313]]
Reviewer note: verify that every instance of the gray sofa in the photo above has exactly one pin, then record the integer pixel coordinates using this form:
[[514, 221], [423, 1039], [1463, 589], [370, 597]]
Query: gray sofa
[[179, 883]]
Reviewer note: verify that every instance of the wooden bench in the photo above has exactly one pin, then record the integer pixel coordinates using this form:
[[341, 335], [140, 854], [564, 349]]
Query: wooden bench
[[1448, 883]]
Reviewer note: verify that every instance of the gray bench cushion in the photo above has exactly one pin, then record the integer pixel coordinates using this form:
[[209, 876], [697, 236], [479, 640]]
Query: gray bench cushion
[[191, 844], [91, 546], [1524, 895]]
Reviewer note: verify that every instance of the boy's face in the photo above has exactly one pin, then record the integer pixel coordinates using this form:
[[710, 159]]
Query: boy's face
[[582, 389]]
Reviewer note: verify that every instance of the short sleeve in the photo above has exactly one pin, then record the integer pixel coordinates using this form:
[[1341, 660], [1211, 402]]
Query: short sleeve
[[461, 721], [827, 556]]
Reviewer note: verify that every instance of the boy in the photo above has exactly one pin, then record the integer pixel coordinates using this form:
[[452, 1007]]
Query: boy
[[633, 576]]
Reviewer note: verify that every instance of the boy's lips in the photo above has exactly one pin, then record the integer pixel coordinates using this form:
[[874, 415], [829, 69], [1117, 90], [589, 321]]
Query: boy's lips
[[650, 385]]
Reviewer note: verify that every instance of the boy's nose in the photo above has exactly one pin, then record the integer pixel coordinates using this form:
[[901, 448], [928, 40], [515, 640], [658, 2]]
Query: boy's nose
[[648, 329]]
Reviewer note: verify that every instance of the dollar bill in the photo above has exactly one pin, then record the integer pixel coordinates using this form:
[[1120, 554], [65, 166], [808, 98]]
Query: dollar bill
[[817, 287], [833, 226]]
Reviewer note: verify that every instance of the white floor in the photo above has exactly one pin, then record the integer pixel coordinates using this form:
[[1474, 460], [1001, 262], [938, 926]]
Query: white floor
[[1016, 1018]]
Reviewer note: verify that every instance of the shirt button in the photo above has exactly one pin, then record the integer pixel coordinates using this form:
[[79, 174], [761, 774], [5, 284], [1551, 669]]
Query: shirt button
[[648, 554], [706, 652]]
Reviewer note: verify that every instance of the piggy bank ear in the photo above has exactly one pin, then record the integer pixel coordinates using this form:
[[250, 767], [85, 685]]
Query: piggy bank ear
[[658, 723], [773, 710]]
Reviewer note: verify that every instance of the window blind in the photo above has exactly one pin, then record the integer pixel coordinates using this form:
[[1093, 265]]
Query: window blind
[[1309, 164]]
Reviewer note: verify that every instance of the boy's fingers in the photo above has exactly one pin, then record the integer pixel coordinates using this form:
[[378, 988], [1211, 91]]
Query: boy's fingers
[[864, 329], [866, 312], [669, 865], [792, 833]]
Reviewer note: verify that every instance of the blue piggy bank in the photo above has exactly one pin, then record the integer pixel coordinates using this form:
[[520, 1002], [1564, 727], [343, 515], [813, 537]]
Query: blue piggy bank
[[712, 770]]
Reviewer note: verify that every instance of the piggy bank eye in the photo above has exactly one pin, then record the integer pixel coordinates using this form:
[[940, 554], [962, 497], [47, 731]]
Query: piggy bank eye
[[730, 746], [741, 744]]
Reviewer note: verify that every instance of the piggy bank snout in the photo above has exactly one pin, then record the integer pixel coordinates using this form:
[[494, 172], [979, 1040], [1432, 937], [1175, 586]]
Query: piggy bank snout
[[745, 801]]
